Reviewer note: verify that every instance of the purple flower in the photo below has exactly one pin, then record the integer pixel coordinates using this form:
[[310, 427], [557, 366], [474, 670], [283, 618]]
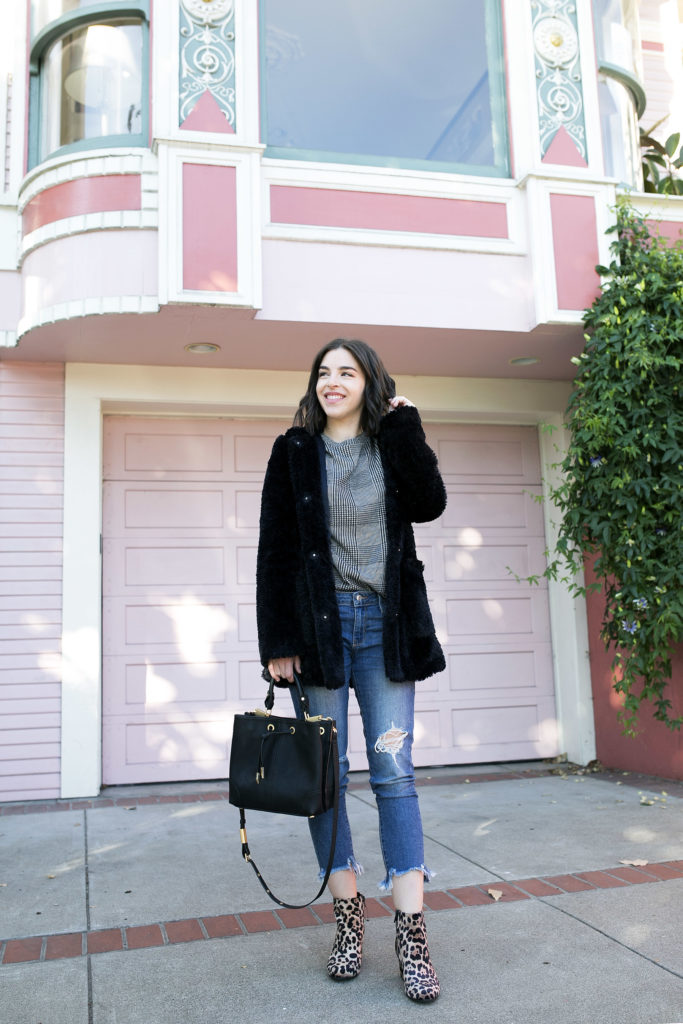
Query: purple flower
[[640, 602], [596, 461], [629, 627]]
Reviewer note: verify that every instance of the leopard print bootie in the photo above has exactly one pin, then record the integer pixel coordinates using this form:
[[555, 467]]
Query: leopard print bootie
[[347, 952], [419, 977]]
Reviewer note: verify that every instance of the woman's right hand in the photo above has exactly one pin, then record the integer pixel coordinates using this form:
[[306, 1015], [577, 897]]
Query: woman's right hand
[[284, 668]]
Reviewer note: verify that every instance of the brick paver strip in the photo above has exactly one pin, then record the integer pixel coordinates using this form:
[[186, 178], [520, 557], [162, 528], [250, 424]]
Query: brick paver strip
[[325, 911], [222, 926], [373, 908], [105, 941], [601, 880], [184, 931], [18, 951], [260, 921], [537, 887], [144, 935], [569, 883], [510, 892], [664, 871], [59, 946], [472, 895], [439, 901], [634, 876], [296, 918]]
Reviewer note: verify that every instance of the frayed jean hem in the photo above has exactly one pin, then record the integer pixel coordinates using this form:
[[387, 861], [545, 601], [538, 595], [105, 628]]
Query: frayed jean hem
[[387, 885], [351, 864]]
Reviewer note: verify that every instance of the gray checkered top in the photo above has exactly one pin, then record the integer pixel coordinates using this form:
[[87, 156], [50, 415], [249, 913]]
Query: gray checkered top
[[358, 532]]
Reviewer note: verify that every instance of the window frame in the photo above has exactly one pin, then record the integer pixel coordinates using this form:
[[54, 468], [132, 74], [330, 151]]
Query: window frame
[[501, 168], [83, 17]]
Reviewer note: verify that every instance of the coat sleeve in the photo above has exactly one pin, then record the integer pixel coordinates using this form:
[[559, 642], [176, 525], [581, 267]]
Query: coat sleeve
[[278, 561], [420, 490]]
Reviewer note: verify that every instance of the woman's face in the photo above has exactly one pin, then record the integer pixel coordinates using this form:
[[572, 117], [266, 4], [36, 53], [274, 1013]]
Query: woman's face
[[341, 387]]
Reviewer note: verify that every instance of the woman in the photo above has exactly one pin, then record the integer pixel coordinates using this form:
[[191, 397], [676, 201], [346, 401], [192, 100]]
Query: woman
[[341, 600]]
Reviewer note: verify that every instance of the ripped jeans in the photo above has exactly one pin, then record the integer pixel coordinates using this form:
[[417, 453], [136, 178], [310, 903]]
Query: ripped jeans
[[387, 711]]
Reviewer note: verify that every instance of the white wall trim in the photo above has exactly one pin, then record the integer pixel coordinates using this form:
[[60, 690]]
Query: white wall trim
[[92, 390]]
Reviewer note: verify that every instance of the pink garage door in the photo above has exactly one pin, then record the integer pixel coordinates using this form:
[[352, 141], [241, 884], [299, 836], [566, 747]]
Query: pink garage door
[[180, 527]]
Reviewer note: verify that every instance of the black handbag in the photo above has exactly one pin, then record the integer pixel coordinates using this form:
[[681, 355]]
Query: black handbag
[[286, 766]]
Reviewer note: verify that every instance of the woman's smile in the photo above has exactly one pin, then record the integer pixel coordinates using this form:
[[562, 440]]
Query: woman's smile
[[341, 393]]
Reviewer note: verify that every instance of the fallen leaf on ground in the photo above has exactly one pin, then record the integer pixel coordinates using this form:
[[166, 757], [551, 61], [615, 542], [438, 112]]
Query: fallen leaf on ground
[[495, 894], [635, 863]]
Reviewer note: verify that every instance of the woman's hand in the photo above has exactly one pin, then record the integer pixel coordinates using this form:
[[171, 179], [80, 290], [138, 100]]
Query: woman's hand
[[398, 401], [284, 668]]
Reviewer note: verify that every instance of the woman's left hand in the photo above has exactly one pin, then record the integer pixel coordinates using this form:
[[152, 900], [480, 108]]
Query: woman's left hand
[[398, 401]]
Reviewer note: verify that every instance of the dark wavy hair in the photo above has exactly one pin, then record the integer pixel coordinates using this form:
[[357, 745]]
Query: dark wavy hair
[[379, 388]]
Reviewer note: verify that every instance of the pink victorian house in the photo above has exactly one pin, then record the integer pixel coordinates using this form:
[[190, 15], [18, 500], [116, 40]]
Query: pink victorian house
[[195, 196]]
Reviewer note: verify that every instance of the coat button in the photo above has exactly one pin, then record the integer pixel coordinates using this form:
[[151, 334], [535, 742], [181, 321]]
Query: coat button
[[325, 616], [314, 554], [307, 497]]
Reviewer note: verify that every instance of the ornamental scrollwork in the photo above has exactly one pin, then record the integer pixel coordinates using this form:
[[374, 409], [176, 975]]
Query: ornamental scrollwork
[[559, 88], [207, 55]]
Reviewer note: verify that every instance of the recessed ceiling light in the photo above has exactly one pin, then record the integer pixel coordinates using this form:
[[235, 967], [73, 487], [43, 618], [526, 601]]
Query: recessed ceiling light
[[202, 347], [524, 361]]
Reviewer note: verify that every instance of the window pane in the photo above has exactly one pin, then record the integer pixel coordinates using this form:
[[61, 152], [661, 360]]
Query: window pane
[[92, 85], [389, 79]]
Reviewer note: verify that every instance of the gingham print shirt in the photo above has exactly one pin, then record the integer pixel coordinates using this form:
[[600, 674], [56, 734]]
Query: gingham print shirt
[[358, 533]]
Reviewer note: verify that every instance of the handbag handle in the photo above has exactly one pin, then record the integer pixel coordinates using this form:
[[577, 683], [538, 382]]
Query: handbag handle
[[303, 699], [333, 841]]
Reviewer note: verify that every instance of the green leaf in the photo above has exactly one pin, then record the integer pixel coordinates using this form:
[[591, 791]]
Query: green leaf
[[671, 143]]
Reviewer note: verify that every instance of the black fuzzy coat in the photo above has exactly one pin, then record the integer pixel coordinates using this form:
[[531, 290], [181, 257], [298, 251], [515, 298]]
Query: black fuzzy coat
[[295, 600]]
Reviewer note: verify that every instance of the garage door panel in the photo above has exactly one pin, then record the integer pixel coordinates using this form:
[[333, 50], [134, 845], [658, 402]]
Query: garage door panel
[[487, 453], [492, 563], [197, 510], [482, 512], [498, 614], [182, 449], [524, 727], [158, 683], [167, 748], [186, 567], [196, 625], [501, 670]]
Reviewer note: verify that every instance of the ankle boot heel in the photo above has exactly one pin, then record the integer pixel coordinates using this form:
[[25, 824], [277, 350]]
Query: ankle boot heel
[[419, 977], [347, 952]]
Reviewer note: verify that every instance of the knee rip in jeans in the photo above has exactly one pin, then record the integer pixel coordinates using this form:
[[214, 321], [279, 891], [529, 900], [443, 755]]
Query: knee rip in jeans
[[391, 741]]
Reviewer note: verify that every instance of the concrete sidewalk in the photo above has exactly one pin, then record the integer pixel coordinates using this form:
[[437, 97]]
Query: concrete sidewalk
[[136, 907]]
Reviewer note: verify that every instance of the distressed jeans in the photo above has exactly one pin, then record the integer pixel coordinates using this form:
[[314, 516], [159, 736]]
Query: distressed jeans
[[387, 712]]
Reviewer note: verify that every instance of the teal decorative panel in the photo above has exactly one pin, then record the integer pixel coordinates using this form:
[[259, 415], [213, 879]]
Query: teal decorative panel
[[559, 89], [207, 55]]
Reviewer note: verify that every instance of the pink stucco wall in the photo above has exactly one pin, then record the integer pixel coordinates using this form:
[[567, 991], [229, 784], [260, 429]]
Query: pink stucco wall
[[31, 487], [656, 749]]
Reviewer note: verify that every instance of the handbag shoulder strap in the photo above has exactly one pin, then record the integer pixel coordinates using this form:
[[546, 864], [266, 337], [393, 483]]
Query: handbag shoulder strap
[[246, 853]]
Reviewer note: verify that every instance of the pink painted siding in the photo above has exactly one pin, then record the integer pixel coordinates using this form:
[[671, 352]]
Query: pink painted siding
[[575, 245], [336, 208], [209, 228], [81, 196], [31, 485]]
